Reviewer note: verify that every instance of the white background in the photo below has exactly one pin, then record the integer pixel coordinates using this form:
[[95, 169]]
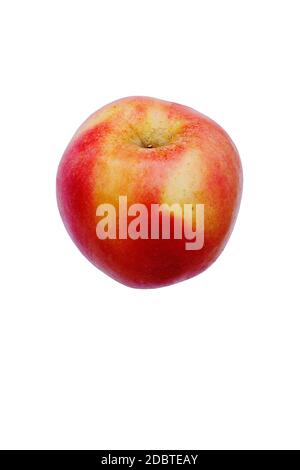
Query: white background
[[209, 363]]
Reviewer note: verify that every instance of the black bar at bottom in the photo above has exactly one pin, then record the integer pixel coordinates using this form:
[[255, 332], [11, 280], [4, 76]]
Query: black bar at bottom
[[92, 459]]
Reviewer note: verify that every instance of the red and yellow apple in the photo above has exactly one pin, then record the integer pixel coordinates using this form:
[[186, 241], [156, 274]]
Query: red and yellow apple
[[153, 152]]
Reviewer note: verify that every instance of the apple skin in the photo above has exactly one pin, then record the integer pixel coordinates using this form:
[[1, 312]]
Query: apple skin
[[152, 151]]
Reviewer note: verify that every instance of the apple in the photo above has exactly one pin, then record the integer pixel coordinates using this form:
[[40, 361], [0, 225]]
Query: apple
[[149, 191]]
